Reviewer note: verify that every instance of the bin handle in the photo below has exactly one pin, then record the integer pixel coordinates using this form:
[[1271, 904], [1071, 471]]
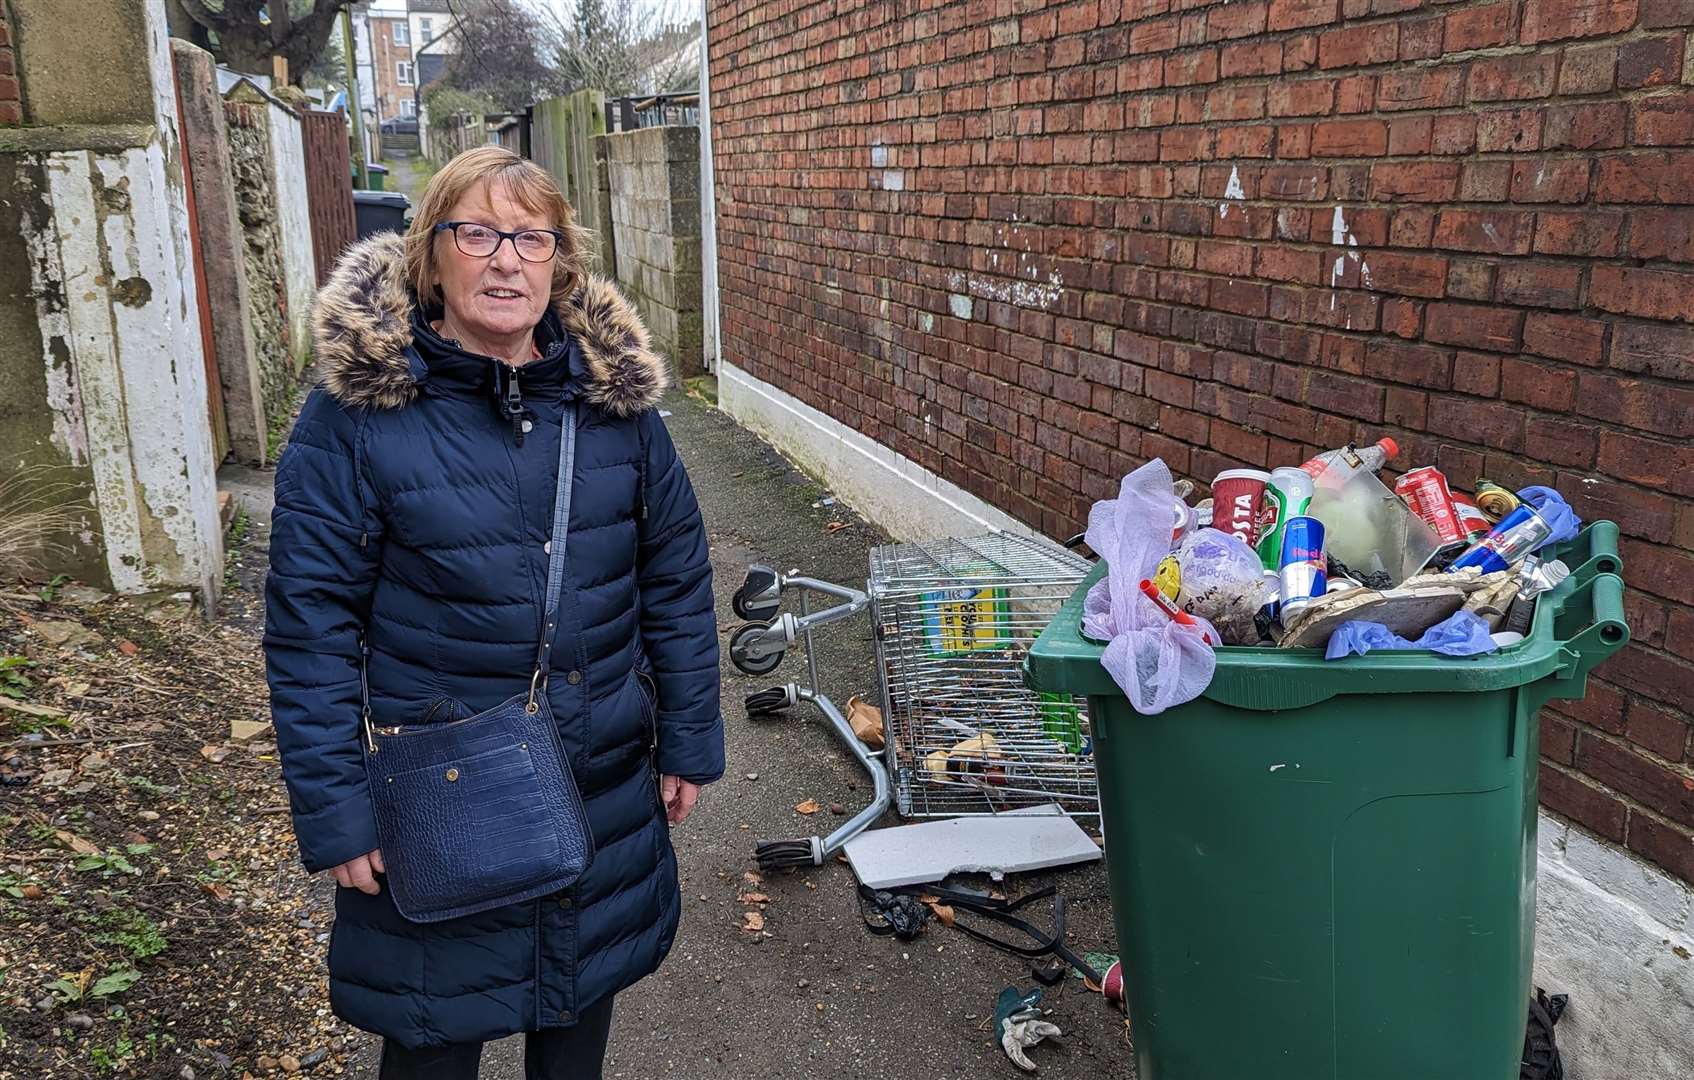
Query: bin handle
[[1605, 633], [1603, 558]]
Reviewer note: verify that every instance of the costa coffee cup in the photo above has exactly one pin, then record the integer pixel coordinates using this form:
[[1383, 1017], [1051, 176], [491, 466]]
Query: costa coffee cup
[[1235, 502]]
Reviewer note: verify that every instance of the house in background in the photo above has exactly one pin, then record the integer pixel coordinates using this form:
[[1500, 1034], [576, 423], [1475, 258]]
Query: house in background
[[434, 39], [393, 67]]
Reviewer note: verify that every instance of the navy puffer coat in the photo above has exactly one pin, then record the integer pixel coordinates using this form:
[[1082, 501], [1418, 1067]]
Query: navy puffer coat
[[410, 506]]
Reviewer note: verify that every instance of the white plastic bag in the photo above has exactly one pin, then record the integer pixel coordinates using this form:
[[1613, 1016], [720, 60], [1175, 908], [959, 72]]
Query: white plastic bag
[[1155, 661]]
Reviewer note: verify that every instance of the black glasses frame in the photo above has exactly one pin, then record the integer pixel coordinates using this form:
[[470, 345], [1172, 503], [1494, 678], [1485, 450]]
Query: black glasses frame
[[453, 227]]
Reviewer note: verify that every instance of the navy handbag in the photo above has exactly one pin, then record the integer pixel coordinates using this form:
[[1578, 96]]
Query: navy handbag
[[482, 812]]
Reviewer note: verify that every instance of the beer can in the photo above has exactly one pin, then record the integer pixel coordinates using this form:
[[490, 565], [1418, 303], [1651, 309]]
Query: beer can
[[1494, 500], [1472, 520], [1303, 569], [1236, 494], [1287, 496], [1518, 533], [1426, 492]]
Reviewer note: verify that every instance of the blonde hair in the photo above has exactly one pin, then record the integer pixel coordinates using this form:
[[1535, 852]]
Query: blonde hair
[[529, 184]]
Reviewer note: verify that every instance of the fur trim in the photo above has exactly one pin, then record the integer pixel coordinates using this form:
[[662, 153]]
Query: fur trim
[[361, 323]]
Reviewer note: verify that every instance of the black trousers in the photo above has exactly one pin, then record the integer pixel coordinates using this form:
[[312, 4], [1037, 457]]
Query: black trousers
[[573, 1053]]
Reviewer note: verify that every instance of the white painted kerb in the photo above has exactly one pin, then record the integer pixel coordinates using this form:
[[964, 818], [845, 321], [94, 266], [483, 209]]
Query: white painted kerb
[[908, 500]]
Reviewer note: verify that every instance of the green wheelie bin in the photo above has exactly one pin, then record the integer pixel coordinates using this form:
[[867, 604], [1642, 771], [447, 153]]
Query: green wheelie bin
[[1325, 870]]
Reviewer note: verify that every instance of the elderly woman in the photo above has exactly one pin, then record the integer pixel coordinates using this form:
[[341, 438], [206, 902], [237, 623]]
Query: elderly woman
[[410, 560]]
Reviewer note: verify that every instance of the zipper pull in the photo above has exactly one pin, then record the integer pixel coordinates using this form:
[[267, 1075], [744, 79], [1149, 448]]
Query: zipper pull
[[514, 407]]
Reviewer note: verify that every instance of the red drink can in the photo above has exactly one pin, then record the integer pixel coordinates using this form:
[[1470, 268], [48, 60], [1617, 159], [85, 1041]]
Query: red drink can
[[1235, 502], [1426, 491]]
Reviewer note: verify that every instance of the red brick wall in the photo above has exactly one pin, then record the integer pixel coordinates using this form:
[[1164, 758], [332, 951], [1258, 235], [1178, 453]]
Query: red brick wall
[[11, 101], [1140, 200]]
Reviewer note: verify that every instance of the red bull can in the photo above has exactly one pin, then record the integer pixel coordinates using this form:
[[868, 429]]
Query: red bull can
[[1518, 533], [1303, 572]]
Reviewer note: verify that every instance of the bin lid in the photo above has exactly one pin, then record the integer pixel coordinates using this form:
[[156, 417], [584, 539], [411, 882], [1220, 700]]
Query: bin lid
[[396, 199], [1576, 626]]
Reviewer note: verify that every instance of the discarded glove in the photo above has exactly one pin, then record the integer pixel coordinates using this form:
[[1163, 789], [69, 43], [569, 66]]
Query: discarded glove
[[1462, 634], [1552, 506], [1017, 1016]]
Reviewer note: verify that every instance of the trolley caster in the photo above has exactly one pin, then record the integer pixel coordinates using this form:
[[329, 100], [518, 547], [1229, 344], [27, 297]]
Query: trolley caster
[[757, 648], [760, 594], [762, 704]]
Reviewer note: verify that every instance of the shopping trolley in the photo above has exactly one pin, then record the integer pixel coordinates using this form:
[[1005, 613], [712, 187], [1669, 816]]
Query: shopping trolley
[[953, 620]]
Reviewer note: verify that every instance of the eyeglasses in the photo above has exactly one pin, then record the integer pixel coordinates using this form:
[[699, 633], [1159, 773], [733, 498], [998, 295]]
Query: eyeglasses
[[480, 241]]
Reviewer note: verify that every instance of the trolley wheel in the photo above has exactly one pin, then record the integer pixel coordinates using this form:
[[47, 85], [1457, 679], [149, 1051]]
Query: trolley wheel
[[758, 598], [764, 704], [738, 646]]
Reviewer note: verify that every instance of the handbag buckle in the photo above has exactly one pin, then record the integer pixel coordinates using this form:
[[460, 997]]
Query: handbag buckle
[[534, 681]]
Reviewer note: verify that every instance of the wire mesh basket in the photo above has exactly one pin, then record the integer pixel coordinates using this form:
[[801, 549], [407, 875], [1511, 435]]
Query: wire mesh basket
[[954, 619]]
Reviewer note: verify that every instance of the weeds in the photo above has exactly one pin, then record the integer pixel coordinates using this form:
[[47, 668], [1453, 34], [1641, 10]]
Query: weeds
[[50, 591], [235, 543], [13, 682], [73, 988], [133, 932], [37, 514], [111, 861]]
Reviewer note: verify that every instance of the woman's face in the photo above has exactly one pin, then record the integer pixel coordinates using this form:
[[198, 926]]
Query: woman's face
[[492, 296]]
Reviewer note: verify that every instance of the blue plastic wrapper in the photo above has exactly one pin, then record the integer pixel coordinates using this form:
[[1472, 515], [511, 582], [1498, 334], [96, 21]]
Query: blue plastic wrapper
[[1461, 634], [1552, 507]]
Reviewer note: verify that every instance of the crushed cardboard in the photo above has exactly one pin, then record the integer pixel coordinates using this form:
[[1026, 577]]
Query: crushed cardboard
[[1408, 610]]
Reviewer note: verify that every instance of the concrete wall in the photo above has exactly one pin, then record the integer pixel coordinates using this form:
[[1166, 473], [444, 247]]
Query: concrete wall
[[78, 62], [101, 293], [294, 227], [654, 176], [222, 246]]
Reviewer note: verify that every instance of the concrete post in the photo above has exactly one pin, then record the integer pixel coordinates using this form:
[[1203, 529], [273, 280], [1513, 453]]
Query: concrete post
[[222, 249], [104, 273]]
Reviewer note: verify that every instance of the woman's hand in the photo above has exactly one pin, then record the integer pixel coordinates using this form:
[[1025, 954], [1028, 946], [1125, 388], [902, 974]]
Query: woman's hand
[[679, 797], [360, 873]]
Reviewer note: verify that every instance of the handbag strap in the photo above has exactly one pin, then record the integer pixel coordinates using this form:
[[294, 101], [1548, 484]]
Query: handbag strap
[[555, 579], [556, 552]]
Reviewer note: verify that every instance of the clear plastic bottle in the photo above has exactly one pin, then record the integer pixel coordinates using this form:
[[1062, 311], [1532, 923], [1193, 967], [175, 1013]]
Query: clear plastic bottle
[[1374, 457]]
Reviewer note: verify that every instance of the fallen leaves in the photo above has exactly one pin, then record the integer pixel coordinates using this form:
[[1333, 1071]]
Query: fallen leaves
[[752, 898], [76, 843], [943, 912], [128, 647], [752, 922], [808, 807], [215, 754], [28, 709]]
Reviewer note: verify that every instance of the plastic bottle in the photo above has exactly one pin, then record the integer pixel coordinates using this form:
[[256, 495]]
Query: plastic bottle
[[1374, 457]]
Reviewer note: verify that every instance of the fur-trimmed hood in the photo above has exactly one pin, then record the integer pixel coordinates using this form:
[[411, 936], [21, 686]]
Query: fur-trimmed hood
[[362, 327]]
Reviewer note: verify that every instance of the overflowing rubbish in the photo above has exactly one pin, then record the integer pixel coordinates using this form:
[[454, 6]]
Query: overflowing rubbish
[[1017, 1019], [1036, 838], [1324, 555], [1460, 634], [1158, 662]]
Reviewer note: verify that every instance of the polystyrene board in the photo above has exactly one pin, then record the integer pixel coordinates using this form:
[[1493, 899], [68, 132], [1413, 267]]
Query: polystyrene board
[[1035, 838]]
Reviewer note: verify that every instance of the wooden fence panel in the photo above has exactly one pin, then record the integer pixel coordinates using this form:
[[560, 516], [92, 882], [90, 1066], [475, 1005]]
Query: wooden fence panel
[[329, 186]]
